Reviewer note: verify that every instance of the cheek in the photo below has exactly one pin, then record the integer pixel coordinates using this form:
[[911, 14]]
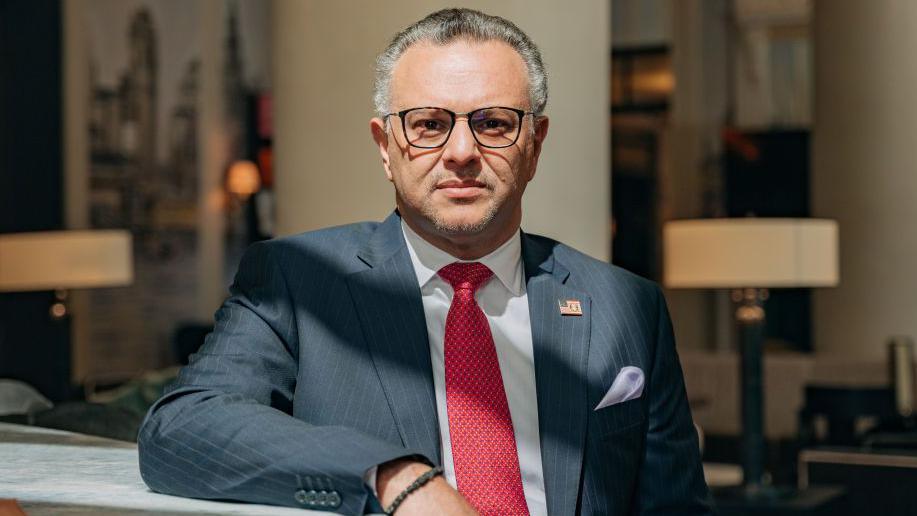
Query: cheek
[[502, 165], [411, 177], [512, 171]]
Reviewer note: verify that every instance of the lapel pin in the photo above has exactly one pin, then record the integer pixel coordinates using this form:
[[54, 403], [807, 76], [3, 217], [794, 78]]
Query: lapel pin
[[570, 307]]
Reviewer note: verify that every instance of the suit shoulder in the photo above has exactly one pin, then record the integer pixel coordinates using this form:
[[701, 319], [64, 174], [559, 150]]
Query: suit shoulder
[[332, 246], [334, 235], [588, 273]]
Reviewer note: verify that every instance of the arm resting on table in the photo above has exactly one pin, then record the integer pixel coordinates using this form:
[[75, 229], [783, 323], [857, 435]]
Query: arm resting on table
[[224, 430]]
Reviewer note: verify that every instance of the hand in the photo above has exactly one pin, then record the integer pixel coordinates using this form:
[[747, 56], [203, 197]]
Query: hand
[[393, 477]]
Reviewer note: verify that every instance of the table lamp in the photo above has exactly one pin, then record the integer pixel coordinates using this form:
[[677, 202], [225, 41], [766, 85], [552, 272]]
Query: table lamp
[[61, 260], [750, 255], [55, 260]]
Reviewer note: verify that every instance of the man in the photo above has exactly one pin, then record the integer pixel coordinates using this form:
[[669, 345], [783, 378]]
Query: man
[[352, 365]]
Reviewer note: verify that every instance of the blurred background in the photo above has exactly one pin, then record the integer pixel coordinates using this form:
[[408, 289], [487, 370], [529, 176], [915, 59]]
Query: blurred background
[[144, 144]]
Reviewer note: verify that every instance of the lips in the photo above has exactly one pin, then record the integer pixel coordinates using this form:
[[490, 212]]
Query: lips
[[461, 184], [461, 189]]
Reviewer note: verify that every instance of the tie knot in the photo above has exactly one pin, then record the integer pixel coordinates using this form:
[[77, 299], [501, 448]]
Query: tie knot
[[465, 275]]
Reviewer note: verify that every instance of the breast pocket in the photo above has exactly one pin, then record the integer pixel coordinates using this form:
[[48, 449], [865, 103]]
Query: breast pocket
[[618, 445], [627, 416]]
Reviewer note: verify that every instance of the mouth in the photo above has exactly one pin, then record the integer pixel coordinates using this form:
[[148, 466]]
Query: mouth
[[461, 189]]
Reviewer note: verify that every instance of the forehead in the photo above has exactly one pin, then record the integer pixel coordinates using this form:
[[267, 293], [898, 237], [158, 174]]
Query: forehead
[[461, 76]]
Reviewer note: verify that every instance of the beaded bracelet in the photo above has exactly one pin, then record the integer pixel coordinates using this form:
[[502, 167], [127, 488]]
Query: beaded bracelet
[[415, 485]]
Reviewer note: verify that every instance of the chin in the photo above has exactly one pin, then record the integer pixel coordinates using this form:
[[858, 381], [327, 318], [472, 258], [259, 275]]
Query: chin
[[462, 221]]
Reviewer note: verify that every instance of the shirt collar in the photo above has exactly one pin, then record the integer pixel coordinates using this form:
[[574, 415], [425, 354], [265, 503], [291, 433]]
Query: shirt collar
[[505, 261]]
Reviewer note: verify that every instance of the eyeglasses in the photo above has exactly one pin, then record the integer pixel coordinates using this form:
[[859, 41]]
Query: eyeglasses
[[430, 127]]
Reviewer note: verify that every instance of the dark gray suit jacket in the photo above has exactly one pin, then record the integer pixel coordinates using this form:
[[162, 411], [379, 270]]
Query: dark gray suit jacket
[[328, 327]]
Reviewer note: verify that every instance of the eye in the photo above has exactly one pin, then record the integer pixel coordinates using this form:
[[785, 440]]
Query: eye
[[432, 125], [492, 125], [428, 125]]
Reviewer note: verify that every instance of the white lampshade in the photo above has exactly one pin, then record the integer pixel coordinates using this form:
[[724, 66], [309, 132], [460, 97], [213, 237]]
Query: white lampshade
[[50, 260], [750, 252]]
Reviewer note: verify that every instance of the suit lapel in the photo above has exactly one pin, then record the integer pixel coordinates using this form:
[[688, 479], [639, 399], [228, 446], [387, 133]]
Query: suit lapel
[[389, 306], [561, 346]]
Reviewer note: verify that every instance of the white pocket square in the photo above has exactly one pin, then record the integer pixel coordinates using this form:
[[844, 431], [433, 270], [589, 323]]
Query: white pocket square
[[627, 386]]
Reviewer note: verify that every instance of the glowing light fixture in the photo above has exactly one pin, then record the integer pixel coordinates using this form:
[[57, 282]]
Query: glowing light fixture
[[243, 179]]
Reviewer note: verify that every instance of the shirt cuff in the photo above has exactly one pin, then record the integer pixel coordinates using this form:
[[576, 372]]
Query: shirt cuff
[[373, 505], [369, 478]]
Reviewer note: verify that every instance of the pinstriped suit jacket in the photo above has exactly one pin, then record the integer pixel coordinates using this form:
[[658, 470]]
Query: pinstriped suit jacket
[[319, 368]]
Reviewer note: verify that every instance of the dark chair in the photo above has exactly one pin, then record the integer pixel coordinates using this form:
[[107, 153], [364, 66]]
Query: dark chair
[[843, 407], [187, 339], [113, 422]]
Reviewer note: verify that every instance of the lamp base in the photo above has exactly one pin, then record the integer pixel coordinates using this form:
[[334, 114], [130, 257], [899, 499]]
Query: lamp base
[[778, 501]]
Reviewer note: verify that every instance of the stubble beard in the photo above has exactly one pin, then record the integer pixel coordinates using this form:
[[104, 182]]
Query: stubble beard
[[442, 225], [446, 227]]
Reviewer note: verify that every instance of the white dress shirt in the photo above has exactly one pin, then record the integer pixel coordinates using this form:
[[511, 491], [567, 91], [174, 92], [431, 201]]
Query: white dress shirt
[[505, 303]]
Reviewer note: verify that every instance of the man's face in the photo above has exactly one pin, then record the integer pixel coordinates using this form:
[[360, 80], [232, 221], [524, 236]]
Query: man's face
[[461, 190]]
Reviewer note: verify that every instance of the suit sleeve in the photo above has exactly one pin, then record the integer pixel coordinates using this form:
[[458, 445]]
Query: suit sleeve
[[224, 429], [671, 479]]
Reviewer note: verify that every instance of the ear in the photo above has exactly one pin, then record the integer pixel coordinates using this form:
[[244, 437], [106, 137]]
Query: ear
[[380, 136], [541, 132]]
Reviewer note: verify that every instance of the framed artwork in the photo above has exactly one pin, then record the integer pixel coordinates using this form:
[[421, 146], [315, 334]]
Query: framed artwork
[[167, 87]]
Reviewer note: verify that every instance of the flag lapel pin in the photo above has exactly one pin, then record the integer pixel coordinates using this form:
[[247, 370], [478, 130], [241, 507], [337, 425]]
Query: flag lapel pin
[[570, 307]]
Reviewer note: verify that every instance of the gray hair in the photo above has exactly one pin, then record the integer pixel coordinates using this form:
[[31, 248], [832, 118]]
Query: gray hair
[[444, 27]]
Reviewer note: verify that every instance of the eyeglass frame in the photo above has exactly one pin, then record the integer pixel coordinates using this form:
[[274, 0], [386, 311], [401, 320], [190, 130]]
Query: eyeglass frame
[[454, 116]]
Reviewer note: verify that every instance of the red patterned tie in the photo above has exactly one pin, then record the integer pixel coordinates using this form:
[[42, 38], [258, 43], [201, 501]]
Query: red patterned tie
[[480, 428]]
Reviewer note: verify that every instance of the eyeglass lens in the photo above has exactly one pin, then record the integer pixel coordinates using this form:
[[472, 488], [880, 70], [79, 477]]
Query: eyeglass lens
[[492, 127]]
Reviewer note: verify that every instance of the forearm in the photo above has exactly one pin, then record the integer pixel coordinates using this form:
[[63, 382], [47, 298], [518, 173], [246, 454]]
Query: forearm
[[435, 495], [202, 444]]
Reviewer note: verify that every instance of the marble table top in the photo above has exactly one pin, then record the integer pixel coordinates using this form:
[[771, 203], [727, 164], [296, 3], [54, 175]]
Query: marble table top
[[52, 472], [62, 473]]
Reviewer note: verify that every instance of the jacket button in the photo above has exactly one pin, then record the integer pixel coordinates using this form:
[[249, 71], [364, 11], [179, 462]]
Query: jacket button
[[304, 497], [322, 499]]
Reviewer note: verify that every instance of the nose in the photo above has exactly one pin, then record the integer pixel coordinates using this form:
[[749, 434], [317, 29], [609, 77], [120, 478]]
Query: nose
[[461, 149]]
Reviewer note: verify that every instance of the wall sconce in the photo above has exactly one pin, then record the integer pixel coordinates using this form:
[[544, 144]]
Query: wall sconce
[[243, 179]]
